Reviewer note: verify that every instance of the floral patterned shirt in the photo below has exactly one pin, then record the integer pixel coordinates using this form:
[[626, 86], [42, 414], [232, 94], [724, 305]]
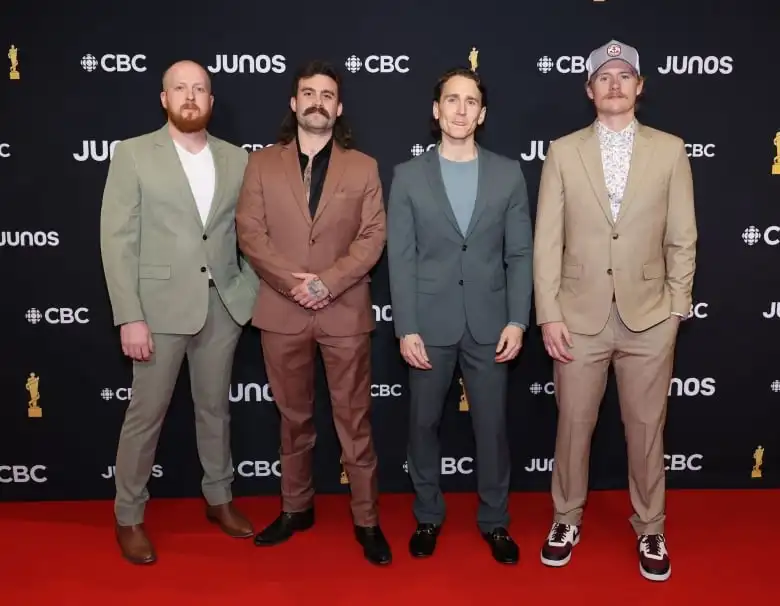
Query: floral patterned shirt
[[616, 151]]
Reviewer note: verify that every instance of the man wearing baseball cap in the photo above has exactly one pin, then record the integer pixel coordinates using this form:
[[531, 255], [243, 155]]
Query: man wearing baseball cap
[[614, 260]]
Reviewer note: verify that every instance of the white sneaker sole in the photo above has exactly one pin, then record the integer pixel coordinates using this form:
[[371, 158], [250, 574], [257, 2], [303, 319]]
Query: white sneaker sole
[[563, 562], [655, 577]]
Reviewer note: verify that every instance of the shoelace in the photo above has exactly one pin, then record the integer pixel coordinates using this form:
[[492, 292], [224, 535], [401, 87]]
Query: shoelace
[[653, 542], [429, 530], [558, 533], [500, 535]]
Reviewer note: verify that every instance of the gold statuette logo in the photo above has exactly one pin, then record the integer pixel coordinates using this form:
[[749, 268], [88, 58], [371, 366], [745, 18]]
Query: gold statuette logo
[[463, 406], [474, 58], [33, 410], [776, 165], [758, 457], [13, 53], [343, 478]]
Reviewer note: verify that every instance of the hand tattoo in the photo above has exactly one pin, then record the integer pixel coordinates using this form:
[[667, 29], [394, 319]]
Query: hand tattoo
[[316, 288]]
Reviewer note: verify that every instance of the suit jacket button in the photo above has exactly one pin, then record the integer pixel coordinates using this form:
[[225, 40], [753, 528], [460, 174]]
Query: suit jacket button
[[203, 270], [609, 271], [464, 247], [614, 236], [205, 237], [460, 282]]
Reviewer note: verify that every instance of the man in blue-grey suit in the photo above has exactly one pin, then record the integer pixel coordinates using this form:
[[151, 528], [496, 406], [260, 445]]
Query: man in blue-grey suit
[[460, 248]]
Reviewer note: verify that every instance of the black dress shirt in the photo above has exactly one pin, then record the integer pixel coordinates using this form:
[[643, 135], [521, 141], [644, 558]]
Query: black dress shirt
[[319, 169]]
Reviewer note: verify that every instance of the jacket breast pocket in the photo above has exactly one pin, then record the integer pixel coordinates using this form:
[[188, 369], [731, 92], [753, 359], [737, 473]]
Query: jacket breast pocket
[[154, 272]]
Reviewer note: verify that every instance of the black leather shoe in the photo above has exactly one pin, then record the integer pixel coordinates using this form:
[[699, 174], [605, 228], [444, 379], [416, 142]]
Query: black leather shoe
[[375, 547], [423, 541], [503, 547], [285, 526]]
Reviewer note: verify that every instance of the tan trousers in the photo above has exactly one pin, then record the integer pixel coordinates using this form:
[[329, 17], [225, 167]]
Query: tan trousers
[[643, 369]]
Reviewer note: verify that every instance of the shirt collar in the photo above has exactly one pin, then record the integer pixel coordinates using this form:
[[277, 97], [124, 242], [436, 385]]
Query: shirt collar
[[626, 133], [325, 151]]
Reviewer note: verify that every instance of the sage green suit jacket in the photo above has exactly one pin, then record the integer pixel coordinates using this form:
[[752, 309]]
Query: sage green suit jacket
[[156, 249]]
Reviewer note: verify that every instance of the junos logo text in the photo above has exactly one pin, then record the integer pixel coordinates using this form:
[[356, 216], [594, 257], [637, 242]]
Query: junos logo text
[[157, 472], [692, 387], [259, 469], [114, 63], [451, 466], [251, 392], [58, 315], [29, 238], [21, 474], [538, 151], [382, 313], [697, 65], [248, 64], [681, 462], [5, 150], [774, 310], [100, 151], [564, 64], [540, 465], [378, 64], [753, 235]]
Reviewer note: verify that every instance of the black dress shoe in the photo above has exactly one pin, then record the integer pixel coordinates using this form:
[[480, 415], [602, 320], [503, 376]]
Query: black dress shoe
[[423, 541], [375, 547], [503, 547], [285, 526]]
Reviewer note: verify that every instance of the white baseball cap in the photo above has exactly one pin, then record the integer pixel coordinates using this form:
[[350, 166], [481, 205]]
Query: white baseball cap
[[610, 51]]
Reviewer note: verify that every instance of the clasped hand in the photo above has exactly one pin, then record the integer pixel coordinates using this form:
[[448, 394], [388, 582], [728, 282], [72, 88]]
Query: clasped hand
[[311, 293]]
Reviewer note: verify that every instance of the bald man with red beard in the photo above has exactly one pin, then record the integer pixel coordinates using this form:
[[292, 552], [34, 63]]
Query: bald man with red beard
[[177, 287]]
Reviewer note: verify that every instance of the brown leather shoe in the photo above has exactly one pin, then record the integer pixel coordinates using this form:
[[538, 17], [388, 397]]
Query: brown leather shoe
[[230, 520], [135, 545]]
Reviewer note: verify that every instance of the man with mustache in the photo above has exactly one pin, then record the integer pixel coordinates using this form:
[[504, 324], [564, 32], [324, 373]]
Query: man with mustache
[[311, 221], [177, 287], [614, 261]]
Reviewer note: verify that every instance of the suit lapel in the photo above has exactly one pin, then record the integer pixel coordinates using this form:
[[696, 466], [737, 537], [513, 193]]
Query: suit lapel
[[336, 166], [170, 164], [220, 175], [433, 172], [483, 180], [590, 153], [292, 169], [640, 156]]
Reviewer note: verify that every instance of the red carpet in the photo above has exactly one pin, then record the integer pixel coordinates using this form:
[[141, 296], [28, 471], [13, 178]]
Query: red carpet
[[58, 554]]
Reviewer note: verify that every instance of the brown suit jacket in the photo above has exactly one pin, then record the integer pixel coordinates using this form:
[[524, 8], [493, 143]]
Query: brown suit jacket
[[582, 258], [341, 244]]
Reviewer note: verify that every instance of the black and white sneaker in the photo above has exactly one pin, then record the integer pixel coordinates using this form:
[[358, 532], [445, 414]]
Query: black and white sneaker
[[654, 562], [560, 542]]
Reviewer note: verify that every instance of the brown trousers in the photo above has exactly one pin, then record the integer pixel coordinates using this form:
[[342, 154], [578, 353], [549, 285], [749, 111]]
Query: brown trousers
[[643, 369], [289, 362]]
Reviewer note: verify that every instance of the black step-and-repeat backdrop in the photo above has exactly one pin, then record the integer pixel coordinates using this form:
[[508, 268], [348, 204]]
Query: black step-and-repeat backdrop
[[74, 84]]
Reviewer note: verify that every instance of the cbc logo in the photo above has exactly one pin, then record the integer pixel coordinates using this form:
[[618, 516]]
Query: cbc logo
[[248, 64], [547, 389], [692, 387], [681, 462], [5, 150], [698, 311], [21, 474], [114, 63], [100, 151], [122, 394], [378, 64], [250, 147], [418, 150], [697, 65], [753, 235], [58, 315], [385, 391], [259, 469], [382, 313], [700, 150], [451, 466], [251, 392], [565, 64]]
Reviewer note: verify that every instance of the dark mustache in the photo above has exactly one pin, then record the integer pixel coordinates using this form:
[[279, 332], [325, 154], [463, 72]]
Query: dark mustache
[[316, 109]]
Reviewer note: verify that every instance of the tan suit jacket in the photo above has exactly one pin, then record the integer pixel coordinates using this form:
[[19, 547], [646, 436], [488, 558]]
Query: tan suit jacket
[[341, 244], [156, 249], [645, 259]]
